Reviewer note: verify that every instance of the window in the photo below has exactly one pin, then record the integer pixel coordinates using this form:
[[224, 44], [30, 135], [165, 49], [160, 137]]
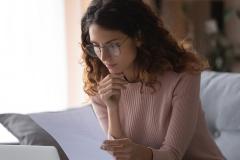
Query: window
[[33, 63]]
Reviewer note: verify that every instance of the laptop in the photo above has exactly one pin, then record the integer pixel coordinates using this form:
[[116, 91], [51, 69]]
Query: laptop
[[28, 152]]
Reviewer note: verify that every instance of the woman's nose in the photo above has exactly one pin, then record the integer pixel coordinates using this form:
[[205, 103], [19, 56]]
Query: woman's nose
[[104, 54]]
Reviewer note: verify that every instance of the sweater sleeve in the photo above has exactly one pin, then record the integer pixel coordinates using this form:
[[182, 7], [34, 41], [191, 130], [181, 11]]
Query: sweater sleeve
[[185, 108], [100, 110]]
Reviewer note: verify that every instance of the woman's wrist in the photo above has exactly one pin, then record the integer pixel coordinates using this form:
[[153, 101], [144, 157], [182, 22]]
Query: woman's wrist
[[112, 107], [115, 129]]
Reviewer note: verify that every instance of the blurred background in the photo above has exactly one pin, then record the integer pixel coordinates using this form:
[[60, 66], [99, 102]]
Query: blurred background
[[40, 51]]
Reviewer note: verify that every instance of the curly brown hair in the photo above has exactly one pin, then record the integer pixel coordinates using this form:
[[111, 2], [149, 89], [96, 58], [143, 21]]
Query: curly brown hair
[[159, 51]]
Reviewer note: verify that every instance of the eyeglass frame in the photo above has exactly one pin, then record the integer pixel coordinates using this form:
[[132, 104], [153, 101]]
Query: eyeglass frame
[[105, 45]]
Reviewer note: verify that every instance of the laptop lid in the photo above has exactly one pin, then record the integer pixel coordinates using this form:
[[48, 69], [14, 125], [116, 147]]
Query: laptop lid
[[28, 152]]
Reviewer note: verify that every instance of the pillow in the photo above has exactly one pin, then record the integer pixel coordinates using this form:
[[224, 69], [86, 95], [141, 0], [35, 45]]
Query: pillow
[[228, 143], [77, 131], [220, 96], [28, 132]]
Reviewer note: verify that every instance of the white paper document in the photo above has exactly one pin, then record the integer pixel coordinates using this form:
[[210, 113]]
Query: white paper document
[[79, 136]]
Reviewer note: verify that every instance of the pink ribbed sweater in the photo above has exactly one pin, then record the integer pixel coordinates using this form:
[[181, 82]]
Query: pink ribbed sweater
[[170, 121]]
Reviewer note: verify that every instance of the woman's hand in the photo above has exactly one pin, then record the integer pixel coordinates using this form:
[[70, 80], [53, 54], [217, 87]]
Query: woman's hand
[[109, 89], [125, 149]]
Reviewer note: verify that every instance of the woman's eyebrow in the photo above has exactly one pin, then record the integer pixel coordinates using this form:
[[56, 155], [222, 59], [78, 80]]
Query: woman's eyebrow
[[105, 42]]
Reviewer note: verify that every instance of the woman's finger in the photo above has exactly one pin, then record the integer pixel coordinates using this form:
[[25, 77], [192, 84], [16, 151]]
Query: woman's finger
[[109, 93], [111, 76], [114, 149], [121, 148], [123, 141], [111, 87], [112, 81]]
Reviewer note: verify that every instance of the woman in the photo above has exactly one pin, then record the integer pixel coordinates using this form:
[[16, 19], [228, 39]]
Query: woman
[[143, 86]]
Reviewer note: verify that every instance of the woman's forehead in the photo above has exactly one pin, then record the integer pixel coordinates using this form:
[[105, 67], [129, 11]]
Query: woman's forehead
[[101, 34]]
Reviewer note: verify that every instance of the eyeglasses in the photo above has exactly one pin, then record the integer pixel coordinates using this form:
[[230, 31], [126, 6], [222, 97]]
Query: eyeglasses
[[113, 49]]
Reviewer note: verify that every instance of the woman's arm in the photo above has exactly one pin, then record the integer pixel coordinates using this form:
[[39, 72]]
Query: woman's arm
[[114, 129], [183, 121], [105, 103], [101, 113], [108, 117]]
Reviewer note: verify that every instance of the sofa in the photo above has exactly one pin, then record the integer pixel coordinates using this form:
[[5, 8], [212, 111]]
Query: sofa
[[220, 96], [70, 129]]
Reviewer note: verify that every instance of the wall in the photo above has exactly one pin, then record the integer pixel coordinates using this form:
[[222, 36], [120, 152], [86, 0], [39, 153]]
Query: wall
[[74, 9]]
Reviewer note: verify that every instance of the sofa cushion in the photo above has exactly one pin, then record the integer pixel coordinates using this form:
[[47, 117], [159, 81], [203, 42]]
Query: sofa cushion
[[220, 95], [229, 143]]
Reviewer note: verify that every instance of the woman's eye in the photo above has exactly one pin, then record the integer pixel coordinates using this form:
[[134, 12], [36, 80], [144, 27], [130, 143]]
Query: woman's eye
[[114, 45]]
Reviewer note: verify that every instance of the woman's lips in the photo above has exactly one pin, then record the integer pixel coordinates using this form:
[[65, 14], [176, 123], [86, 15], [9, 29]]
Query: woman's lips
[[110, 65]]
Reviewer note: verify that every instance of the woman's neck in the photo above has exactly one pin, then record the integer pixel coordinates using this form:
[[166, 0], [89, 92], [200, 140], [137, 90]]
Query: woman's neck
[[131, 76]]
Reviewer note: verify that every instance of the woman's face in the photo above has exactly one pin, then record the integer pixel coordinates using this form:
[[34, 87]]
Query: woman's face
[[117, 61]]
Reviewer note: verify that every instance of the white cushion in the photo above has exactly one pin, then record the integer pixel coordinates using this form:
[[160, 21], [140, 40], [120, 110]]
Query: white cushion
[[229, 144], [220, 94]]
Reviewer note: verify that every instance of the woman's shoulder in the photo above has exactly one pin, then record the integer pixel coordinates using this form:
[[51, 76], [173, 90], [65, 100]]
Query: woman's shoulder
[[171, 77]]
